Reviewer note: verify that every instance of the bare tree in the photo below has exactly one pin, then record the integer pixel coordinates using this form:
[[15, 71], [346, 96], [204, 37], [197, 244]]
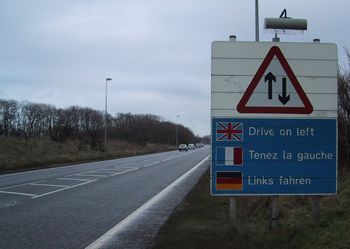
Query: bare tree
[[8, 110], [344, 119]]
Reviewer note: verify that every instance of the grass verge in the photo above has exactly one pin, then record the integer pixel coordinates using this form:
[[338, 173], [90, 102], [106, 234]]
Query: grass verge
[[201, 221], [16, 154]]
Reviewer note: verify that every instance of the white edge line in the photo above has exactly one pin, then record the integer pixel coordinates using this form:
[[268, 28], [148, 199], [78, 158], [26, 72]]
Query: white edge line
[[49, 193], [17, 193], [128, 220]]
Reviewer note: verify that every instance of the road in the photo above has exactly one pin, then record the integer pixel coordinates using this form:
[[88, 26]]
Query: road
[[73, 206]]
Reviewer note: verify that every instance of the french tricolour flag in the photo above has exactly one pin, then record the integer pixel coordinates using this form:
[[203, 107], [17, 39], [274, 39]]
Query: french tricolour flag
[[229, 156]]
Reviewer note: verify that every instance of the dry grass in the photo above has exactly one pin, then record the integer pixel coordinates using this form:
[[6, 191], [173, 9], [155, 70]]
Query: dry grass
[[201, 221], [41, 152]]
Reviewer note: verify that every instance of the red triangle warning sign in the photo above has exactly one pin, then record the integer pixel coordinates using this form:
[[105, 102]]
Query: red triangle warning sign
[[275, 89]]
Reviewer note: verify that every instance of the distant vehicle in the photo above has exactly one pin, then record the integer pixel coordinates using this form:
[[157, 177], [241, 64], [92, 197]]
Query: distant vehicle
[[198, 145], [191, 147], [183, 147]]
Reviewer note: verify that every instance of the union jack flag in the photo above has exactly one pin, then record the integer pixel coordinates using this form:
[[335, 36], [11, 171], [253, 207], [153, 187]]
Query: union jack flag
[[229, 131]]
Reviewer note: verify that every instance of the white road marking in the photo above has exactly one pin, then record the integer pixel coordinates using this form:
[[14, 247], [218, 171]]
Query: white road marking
[[113, 161], [121, 165], [166, 160], [100, 242], [126, 168], [97, 170], [18, 185], [48, 185], [122, 172], [87, 174], [54, 168], [17, 193], [70, 187], [151, 164], [75, 179]]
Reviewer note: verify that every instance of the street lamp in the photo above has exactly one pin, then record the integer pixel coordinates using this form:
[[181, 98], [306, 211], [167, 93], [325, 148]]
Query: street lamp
[[107, 79], [256, 20], [177, 116], [194, 136]]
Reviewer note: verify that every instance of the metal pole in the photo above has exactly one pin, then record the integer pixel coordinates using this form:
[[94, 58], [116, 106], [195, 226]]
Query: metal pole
[[275, 213], [315, 200], [107, 79], [176, 134], [315, 204], [177, 116], [256, 20], [274, 201], [194, 136], [232, 213]]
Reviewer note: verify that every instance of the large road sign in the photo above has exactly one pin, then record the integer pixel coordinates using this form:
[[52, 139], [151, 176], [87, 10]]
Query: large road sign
[[274, 110], [273, 156]]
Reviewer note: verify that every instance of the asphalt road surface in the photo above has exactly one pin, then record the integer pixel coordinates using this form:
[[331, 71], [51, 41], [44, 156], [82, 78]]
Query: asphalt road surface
[[117, 203]]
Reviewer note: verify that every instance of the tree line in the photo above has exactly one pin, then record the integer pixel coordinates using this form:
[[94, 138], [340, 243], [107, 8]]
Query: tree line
[[27, 120]]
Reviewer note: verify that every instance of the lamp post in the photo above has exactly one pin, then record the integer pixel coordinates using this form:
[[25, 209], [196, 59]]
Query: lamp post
[[177, 116], [194, 136], [107, 79], [256, 20]]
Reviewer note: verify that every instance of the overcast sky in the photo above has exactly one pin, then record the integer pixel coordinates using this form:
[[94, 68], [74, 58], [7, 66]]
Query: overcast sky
[[157, 52]]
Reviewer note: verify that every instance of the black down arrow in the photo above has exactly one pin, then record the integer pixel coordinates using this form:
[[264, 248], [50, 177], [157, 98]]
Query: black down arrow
[[284, 99]]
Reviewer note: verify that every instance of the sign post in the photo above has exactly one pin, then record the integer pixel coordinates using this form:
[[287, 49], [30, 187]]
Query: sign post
[[274, 119], [232, 213]]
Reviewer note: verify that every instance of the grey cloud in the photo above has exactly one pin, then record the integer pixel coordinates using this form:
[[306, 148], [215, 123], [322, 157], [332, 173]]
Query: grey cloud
[[157, 52]]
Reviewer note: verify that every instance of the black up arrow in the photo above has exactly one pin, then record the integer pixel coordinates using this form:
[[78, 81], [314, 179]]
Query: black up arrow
[[270, 78], [284, 98]]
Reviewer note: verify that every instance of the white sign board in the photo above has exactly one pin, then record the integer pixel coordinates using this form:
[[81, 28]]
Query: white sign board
[[274, 79]]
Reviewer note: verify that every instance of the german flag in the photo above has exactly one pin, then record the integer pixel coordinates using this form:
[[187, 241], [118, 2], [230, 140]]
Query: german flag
[[229, 180]]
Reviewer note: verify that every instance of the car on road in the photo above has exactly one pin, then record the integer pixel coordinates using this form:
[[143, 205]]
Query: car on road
[[191, 147], [183, 147]]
